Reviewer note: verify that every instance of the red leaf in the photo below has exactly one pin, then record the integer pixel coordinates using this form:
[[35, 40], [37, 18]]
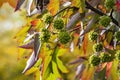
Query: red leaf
[[108, 68], [118, 5], [34, 22]]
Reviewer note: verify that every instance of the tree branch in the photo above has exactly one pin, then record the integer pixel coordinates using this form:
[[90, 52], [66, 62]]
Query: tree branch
[[88, 6]]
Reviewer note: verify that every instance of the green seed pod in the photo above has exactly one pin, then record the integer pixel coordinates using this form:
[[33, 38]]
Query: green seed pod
[[58, 23], [48, 18], [106, 57], [117, 36], [46, 35], [105, 21], [94, 60], [64, 37], [93, 36], [109, 3], [98, 47], [118, 55]]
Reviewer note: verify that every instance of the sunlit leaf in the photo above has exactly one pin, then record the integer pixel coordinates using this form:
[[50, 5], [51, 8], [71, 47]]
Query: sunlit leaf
[[51, 77], [85, 43], [55, 70], [79, 4], [32, 70], [46, 63], [108, 69], [61, 66], [37, 75], [53, 6], [11, 2], [87, 74]]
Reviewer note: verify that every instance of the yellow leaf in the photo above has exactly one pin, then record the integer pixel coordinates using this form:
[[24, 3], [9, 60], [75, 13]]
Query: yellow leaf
[[53, 6], [32, 70], [46, 63], [55, 70], [79, 4], [61, 66]]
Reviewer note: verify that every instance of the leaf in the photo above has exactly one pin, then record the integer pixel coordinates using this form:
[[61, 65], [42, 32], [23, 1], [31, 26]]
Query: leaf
[[61, 66], [53, 6], [51, 77], [29, 45], [19, 3], [28, 6], [79, 4], [90, 24], [22, 33], [35, 11], [108, 69], [55, 70], [38, 63], [37, 75], [31, 61], [79, 71], [85, 43], [32, 70], [87, 73], [46, 64], [11, 2], [114, 70], [74, 20], [79, 60], [37, 45]]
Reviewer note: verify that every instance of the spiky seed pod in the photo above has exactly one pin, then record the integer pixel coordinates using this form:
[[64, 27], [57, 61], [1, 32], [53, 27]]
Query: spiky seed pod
[[58, 23], [106, 57], [118, 55], [97, 47], [105, 21], [117, 36], [109, 3], [93, 36], [64, 37], [94, 60], [46, 35], [48, 18]]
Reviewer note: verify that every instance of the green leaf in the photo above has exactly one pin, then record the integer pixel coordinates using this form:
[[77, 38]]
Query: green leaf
[[61, 66], [46, 64], [38, 63], [55, 70], [32, 70], [51, 77], [47, 72]]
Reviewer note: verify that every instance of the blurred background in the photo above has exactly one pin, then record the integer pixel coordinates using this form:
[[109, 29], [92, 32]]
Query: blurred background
[[11, 66]]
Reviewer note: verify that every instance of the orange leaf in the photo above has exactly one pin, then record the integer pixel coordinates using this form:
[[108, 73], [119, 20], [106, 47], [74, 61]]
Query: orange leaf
[[53, 6], [85, 43], [11, 2], [108, 69]]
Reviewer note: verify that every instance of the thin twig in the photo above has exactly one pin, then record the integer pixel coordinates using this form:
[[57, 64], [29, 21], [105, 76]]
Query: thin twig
[[88, 6]]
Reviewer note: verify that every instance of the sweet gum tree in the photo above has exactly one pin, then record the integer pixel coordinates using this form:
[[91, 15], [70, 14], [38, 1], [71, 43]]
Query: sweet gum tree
[[71, 39]]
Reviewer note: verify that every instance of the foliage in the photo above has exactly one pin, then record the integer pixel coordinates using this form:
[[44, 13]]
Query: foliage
[[68, 27]]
